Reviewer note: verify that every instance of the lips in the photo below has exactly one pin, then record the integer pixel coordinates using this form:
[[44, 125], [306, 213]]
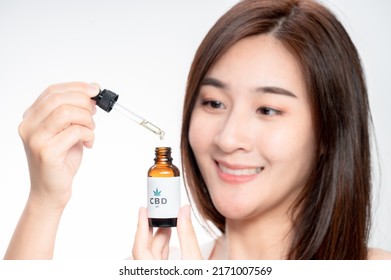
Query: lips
[[240, 171], [237, 173]]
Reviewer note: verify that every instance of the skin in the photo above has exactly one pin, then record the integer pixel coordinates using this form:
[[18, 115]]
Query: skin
[[55, 130], [243, 125], [255, 151], [257, 145], [149, 245], [252, 134]]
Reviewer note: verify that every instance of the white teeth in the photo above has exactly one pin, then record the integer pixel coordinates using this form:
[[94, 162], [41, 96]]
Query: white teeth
[[240, 172]]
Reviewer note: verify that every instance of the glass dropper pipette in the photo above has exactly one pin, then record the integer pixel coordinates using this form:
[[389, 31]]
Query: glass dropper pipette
[[107, 100]]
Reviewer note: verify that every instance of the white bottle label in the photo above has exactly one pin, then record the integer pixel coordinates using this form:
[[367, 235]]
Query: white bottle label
[[164, 197]]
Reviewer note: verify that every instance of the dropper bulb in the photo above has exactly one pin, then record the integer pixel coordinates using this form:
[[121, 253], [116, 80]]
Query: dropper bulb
[[106, 99]]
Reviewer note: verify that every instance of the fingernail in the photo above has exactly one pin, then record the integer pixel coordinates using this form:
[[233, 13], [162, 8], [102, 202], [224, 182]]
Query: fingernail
[[93, 89]]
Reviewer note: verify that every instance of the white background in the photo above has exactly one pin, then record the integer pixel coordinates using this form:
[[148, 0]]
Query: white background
[[141, 50]]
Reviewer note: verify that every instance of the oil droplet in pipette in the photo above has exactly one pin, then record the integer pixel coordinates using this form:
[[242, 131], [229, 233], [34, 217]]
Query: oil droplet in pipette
[[161, 135]]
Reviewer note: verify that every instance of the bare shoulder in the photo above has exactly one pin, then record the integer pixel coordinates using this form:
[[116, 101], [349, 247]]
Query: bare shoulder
[[378, 254]]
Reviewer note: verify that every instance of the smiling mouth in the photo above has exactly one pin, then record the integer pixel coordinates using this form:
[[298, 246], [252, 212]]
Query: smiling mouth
[[240, 171]]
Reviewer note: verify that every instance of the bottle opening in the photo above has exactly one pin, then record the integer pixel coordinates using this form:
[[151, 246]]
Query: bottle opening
[[163, 154]]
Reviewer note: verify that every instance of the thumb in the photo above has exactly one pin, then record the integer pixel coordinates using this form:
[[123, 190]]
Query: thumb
[[142, 240], [187, 238]]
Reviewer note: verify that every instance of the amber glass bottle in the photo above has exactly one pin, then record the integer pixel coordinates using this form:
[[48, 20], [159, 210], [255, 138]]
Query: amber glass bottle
[[164, 197]]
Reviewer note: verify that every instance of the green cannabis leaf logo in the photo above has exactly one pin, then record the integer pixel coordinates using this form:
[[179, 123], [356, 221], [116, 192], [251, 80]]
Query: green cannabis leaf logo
[[156, 192]]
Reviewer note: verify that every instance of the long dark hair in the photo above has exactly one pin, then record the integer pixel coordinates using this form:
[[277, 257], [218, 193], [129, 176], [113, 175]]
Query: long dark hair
[[332, 214]]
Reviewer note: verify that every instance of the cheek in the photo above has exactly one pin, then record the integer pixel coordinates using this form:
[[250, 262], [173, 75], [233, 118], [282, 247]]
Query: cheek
[[303, 141], [197, 135], [294, 143]]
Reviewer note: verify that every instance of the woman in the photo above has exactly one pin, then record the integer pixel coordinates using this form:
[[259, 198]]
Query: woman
[[275, 143], [275, 136]]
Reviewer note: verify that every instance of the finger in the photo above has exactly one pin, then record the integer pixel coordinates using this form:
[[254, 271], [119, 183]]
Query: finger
[[187, 238], [62, 118], [50, 103], [143, 237], [160, 243], [56, 149], [91, 89], [65, 116], [73, 135]]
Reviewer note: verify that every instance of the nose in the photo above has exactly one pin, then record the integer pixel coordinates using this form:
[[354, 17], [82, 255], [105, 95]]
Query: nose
[[235, 133]]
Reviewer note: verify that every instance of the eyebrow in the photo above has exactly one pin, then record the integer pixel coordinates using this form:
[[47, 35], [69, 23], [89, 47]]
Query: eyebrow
[[209, 81]]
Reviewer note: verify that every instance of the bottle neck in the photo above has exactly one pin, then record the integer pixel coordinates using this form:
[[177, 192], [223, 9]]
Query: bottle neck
[[163, 155]]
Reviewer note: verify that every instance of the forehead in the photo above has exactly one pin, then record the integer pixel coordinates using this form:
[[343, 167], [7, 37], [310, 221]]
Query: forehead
[[260, 60]]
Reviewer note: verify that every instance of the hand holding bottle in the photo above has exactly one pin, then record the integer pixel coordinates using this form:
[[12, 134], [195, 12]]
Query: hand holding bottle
[[149, 246]]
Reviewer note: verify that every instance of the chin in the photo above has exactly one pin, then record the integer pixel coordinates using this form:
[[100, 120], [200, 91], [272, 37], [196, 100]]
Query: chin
[[234, 210]]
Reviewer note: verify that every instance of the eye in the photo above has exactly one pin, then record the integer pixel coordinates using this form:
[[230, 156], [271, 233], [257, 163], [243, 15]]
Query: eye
[[267, 111], [213, 104]]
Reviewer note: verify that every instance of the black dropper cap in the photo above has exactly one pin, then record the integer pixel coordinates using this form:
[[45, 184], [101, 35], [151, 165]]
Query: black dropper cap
[[106, 99]]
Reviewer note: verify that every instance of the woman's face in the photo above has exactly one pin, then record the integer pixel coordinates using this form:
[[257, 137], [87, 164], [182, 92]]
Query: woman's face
[[252, 131]]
